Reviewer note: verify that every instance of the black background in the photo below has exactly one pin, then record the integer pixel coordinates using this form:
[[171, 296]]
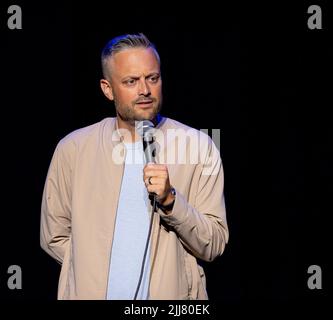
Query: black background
[[257, 73]]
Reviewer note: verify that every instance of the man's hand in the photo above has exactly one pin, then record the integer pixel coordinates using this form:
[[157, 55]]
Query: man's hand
[[156, 179]]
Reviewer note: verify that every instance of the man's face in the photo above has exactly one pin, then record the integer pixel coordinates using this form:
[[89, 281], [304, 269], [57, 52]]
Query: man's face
[[135, 84]]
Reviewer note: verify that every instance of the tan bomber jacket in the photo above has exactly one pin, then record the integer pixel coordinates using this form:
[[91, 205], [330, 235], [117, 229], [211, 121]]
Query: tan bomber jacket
[[80, 200]]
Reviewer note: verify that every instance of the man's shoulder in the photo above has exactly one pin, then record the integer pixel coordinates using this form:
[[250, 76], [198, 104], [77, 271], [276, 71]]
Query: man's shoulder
[[87, 132], [171, 124]]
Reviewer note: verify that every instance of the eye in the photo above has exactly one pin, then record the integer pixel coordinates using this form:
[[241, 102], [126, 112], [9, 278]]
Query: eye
[[129, 82], [154, 79]]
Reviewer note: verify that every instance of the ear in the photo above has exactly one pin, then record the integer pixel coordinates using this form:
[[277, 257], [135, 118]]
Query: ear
[[106, 88]]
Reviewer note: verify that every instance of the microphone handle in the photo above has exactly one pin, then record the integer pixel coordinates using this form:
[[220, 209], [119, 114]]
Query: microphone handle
[[149, 150], [148, 147]]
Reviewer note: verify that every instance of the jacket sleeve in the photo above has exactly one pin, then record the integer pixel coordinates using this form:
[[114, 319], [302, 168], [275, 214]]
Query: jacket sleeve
[[202, 228], [55, 226]]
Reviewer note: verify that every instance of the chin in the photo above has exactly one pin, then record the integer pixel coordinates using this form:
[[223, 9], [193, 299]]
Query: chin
[[147, 115]]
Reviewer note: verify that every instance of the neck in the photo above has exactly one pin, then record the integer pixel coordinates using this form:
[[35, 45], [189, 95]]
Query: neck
[[128, 130]]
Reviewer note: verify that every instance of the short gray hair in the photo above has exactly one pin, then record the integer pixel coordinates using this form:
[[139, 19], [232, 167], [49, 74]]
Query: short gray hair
[[124, 42]]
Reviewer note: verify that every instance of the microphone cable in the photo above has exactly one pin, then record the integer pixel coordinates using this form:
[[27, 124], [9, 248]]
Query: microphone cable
[[146, 248]]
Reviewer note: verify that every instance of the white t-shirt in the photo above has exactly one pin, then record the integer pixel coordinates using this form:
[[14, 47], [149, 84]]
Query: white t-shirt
[[131, 231]]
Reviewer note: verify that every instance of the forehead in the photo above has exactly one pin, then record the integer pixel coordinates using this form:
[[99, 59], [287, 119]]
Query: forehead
[[134, 61]]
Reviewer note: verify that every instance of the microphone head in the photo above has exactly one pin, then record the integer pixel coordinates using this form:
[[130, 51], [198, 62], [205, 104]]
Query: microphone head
[[144, 127]]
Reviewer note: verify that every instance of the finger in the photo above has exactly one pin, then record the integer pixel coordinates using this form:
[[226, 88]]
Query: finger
[[156, 166], [155, 181], [160, 181], [149, 169], [156, 189], [154, 173]]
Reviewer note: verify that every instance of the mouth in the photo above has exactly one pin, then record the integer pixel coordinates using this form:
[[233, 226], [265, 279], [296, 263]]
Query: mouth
[[145, 103]]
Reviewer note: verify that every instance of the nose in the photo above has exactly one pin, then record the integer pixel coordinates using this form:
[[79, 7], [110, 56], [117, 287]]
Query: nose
[[144, 88]]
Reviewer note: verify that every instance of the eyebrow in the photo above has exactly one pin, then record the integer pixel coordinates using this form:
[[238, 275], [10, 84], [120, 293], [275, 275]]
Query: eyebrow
[[136, 77]]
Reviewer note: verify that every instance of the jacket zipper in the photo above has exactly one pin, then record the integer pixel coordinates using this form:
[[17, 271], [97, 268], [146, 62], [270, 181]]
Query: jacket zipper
[[111, 240]]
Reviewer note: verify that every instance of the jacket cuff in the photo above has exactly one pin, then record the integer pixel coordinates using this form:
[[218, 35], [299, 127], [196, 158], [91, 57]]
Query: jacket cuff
[[179, 212]]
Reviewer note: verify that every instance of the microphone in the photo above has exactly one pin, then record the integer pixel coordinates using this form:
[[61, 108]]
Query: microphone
[[145, 129]]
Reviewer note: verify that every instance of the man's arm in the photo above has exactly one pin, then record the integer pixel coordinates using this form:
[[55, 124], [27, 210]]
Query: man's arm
[[55, 225], [202, 228]]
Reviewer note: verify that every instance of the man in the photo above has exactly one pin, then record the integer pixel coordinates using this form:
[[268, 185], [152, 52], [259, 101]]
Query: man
[[96, 208]]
